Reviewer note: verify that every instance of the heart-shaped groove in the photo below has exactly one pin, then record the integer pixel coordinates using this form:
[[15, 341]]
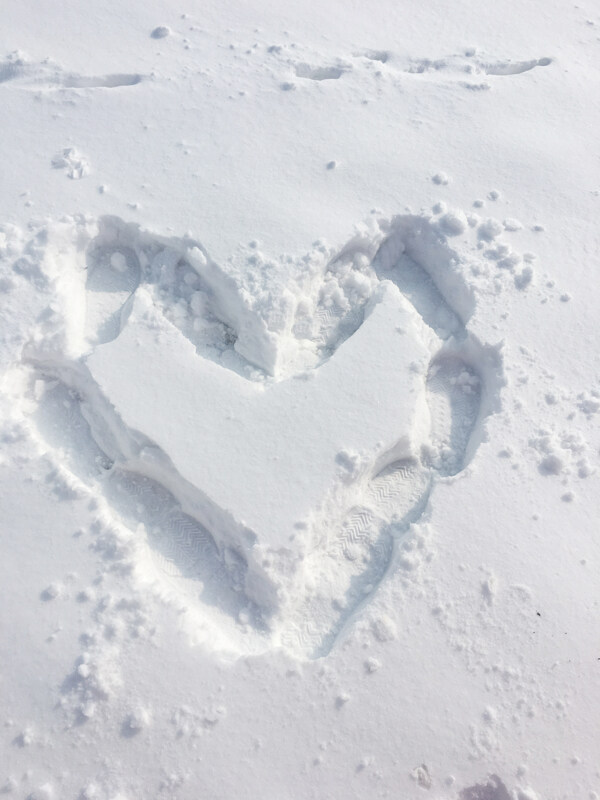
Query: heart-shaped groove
[[263, 449]]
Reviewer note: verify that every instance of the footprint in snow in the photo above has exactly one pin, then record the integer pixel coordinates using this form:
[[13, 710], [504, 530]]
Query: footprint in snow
[[348, 553]]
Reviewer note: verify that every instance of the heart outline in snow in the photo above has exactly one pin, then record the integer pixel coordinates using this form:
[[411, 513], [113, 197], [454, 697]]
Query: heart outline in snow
[[274, 325]]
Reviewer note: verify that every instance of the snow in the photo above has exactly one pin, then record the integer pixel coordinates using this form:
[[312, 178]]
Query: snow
[[286, 425], [299, 393]]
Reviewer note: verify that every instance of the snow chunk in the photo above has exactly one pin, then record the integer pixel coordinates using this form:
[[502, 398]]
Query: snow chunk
[[43, 792], [454, 223], [512, 225], [372, 665], [551, 464], [73, 162], [136, 721], [161, 32], [384, 628], [490, 229], [53, 591]]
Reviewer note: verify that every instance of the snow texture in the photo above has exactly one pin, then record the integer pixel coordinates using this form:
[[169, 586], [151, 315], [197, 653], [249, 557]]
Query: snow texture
[[299, 396]]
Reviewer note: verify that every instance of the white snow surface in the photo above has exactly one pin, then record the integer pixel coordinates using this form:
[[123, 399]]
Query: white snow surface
[[299, 400]]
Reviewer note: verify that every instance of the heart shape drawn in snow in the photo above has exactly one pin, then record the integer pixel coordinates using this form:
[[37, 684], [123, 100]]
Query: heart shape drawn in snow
[[267, 435]]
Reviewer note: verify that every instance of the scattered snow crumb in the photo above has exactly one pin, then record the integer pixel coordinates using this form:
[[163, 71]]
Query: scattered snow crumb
[[490, 229], [73, 162], [510, 261], [527, 794], [87, 709], [160, 32], [584, 468], [551, 464], [372, 664], [43, 792], [454, 223], [342, 699], [494, 195], [440, 207], [384, 628], [331, 164], [26, 737], [349, 465], [365, 762], [489, 587], [197, 257], [90, 792], [589, 405], [567, 497], [523, 278], [478, 204], [441, 179], [422, 777], [564, 298], [136, 721], [512, 225], [52, 591]]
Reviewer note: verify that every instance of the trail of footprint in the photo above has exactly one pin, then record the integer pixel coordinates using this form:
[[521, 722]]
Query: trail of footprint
[[515, 67], [454, 391], [32, 75], [354, 556], [363, 549], [183, 550], [398, 488], [418, 286], [383, 56], [335, 326], [463, 66], [73, 81], [319, 73], [119, 260], [62, 426]]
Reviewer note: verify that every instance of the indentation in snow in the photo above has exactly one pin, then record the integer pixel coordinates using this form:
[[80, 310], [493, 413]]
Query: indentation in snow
[[225, 431]]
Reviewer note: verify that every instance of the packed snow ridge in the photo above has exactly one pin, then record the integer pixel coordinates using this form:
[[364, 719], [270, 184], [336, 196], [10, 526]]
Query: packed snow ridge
[[224, 424]]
